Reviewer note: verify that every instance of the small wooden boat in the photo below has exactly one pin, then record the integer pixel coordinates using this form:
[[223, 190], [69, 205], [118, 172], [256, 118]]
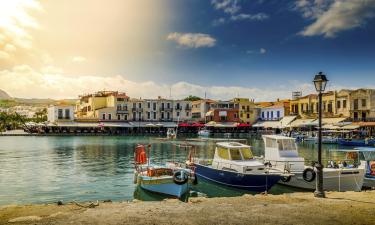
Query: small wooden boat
[[234, 166], [169, 179]]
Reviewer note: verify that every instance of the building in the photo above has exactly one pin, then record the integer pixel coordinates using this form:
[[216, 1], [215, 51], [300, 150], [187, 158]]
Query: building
[[223, 111], [60, 113], [343, 103], [273, 112], [103, 106], [182, 110], [248, 112], [307, 106], [362, 105], [200, 108]]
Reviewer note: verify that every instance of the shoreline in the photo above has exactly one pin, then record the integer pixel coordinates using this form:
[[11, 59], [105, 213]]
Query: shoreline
[[294, 208]]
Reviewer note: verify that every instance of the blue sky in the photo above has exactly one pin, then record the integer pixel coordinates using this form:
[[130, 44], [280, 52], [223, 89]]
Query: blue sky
[[262, 49]]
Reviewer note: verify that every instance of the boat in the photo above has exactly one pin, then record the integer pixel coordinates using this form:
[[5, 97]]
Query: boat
[[329, 140], [204, 132], [168, 179], [357, 142], [363, 156], [235, 166], [171, 133], [281, 152]]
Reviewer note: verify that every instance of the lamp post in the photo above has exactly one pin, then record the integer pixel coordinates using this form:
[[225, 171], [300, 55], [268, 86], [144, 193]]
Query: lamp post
[[320, 82]]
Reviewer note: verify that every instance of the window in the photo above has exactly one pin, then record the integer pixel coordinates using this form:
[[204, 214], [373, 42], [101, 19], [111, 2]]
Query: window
[[338, 104], [168, 105], [134, 105], [139, 105], [103, 116], [118, 107], [178, 114], [246, 153], [363, 102], [272, 114], [162, 115], [271, 143], [162, 105], [278, 114], [148, 104], [139, 116], [243, 107], [344, 104], [268, 115], [109, 116], [67, 113], [118, 117], [248, 115], [169, 116], [187, 113], [235, 154], [148, 115], [223, 153], [134, 116], [235, 116], [154, 106], [60, 114], [288, 144], [154, 115], [355, 104], [125, 117], [263, 115]]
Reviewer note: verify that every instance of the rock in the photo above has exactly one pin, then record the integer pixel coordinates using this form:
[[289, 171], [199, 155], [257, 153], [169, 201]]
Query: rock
[[25, 219], [59, 202]]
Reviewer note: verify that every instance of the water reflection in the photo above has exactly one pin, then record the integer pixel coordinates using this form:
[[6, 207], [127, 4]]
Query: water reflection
[[48, 169]]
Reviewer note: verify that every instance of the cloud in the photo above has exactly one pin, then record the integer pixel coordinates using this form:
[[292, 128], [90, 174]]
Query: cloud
[[334, 16], [26, 82], [78, 59], [260, 51], [192, 40], [228, 6], [233, 8], [15, 22], [250, 17]]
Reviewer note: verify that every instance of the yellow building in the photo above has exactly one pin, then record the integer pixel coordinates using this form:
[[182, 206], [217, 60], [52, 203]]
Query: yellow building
[[307, 106], [248, 111], [103, 106]]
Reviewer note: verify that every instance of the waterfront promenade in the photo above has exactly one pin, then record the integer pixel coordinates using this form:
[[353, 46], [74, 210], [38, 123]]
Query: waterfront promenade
[[296, 208]]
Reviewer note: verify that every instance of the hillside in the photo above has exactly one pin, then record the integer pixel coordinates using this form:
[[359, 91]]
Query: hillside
[[4, 95]]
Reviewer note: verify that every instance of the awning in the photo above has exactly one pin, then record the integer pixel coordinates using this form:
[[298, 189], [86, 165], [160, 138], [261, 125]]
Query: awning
[[366, 124], [268, 124], [211, 124], [197, 125], [184, 125], [285, 122], [210, 113], [332, 120], [303, 123], [243, 125]]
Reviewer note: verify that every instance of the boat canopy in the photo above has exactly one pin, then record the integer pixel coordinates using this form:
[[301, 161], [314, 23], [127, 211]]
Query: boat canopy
[[278, 147], [233, 151]]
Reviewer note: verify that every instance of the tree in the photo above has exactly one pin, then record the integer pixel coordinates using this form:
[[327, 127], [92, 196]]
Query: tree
[[192, 98]]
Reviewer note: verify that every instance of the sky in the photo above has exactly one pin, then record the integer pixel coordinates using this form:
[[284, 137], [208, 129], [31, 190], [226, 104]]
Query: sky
[[258, 49]]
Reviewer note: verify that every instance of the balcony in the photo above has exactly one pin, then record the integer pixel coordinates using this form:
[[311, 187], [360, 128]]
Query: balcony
[[178, 107], [166, 109], [187, 108], [122, 111], [137, 110]]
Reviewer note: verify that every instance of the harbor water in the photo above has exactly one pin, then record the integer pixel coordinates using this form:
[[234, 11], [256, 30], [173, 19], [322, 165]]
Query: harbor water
[[83, 168]]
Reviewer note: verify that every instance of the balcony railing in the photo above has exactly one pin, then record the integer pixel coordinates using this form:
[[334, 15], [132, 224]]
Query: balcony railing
[[166, 109], [187, 108], [122, 111], [178, 107]]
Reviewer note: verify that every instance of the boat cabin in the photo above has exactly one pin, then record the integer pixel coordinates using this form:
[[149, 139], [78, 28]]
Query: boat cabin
[[282, 153], [235, 157]]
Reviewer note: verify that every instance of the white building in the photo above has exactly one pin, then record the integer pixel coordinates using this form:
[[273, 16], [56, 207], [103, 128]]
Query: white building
[[60, 113], [275, 112]]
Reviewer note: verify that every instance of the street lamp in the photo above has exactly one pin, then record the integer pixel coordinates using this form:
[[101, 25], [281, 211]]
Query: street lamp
[[320, 82]]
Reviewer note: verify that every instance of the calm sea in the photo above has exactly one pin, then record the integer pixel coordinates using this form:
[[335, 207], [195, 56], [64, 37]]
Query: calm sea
[[48, 169]]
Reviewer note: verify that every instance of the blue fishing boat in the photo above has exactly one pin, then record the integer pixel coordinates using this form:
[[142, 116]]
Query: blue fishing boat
[[357, 142], [235, 166]]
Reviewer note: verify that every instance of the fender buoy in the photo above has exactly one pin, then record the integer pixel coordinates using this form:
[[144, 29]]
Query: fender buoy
[[267, 164], [311, 177], [286, 179], [180, 177], [195, 181]]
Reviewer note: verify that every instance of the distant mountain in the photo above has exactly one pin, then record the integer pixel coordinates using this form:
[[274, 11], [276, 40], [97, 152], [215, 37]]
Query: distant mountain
[[4, 95]]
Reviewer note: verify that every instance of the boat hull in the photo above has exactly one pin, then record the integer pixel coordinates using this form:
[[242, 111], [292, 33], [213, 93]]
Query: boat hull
[[248, 182], [335, 180], [358, 143], [163, 185]]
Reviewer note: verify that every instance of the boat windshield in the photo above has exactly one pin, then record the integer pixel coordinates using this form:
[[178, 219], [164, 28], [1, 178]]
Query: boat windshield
[[246, 153], [222, 153], [287, 144], [235, 154]]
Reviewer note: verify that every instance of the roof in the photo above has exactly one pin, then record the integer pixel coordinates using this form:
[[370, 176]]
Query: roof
[[278, 137], [232, 145], [366, 124]]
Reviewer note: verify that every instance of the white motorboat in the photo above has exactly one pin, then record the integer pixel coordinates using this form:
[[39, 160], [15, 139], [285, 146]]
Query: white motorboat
[[204, 132], [281, 152]]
